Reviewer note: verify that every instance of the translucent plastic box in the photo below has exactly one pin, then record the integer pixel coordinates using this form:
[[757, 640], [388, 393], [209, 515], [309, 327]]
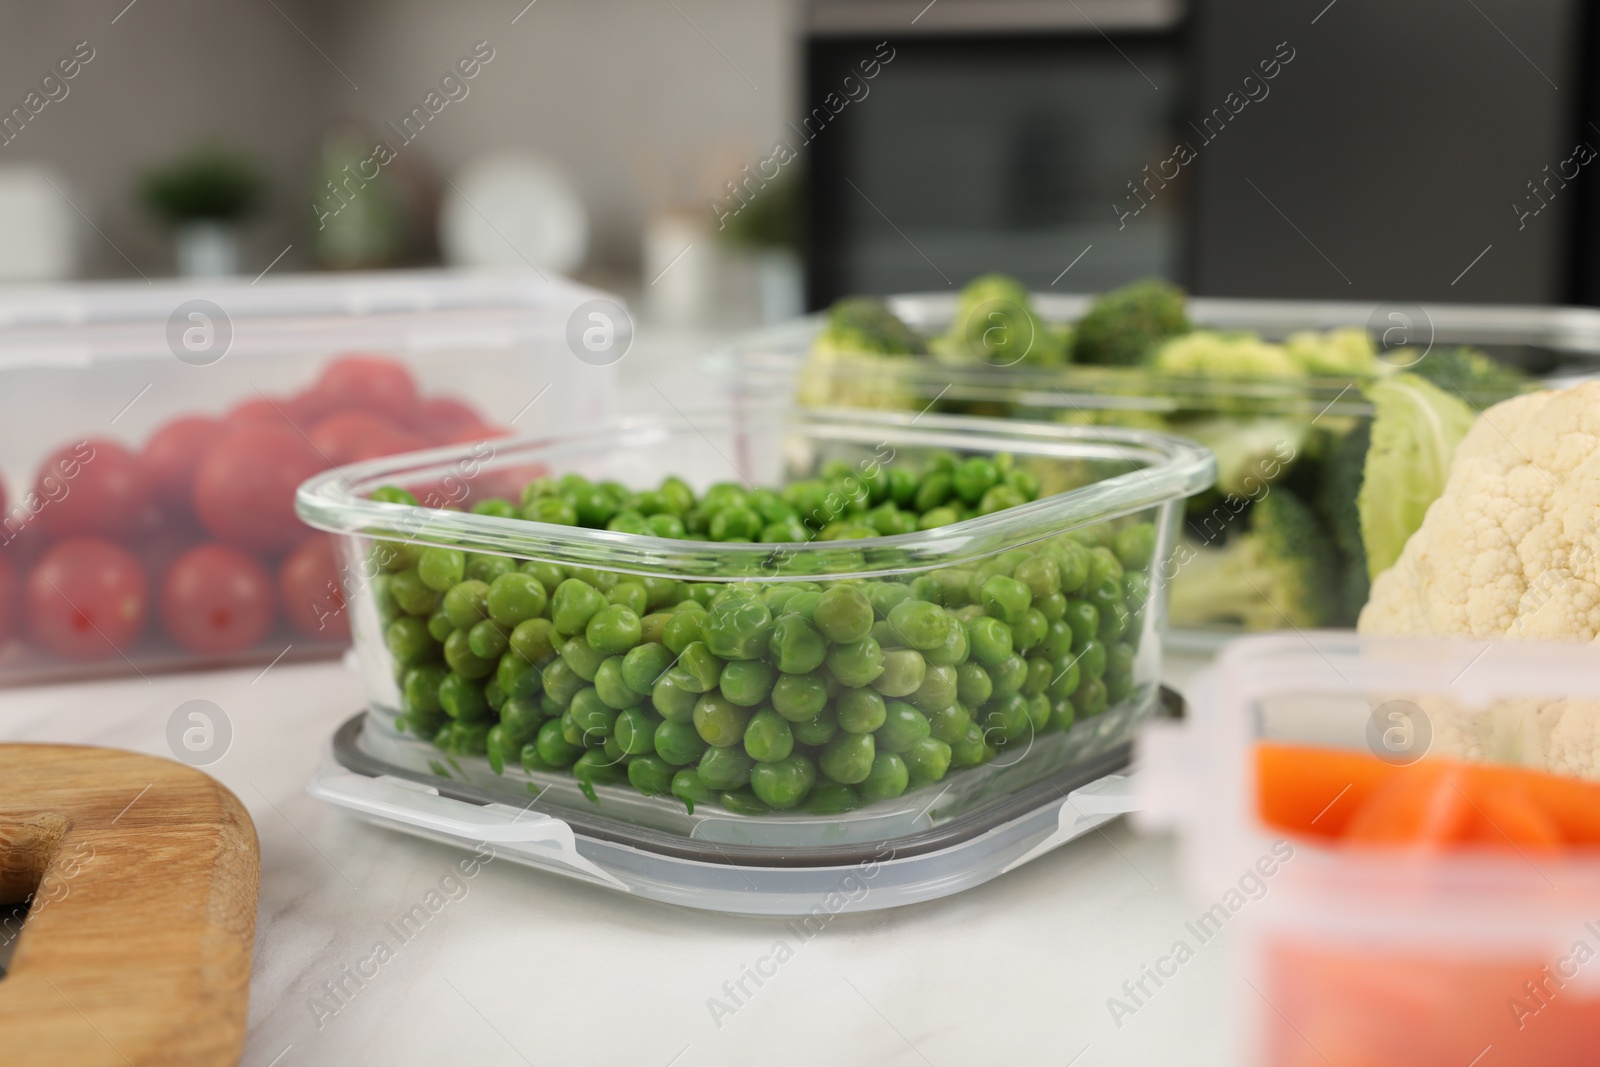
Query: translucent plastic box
[[773, 825], [152, 437], [1389, 824]]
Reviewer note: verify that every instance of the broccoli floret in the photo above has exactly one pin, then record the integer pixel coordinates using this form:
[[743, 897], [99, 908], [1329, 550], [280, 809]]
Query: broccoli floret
[[1280, 573], [995, 324], [1343, 353], [1337, 490], [1484, 381], [862, 325], [1206, 354], [1251, 451], [1122, 326]]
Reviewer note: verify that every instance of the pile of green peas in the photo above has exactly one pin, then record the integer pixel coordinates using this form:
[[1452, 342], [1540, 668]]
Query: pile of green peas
[[817, 696]]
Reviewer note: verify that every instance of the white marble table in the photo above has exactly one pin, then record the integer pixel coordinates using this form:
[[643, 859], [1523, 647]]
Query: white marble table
[[524, 967]]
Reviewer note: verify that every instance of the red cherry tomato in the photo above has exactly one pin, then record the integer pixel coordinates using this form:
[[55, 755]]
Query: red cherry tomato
[[244, 490], [345, 436], [370, 383], [86, 599], [92, 487], [444, 415], [271, 411], [389, 444], [8, 600], [309, 585], [216, 599], [173, 454]]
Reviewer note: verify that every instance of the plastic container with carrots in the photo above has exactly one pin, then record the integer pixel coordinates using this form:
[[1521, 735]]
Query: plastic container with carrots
[[152, 438], [1436, 909]]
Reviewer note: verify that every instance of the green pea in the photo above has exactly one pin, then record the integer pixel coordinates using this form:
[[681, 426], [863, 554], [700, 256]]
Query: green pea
[[932, 520], [903, 726], [767, 737], [856, 664], [737, 627], [534, 641], [682, 630], [612, 687], [939, 689], [902, 485], [394, 556], [1006, 598], [861, 711], [747, 682], [468, 738], [678, 743], [697, 669], [974, 687], [575, 602], [687, 787], [1074, 560], [659, 592], [783, 784], [1041, 574], [903, 672], [439, 626], [991, 640], [635, 731], [1009, 675], [743, 802], [795, 645], [973, 478], [1092, 659], [798, 697], [630, 594], [671, 701], [393, 494], [462, 698], [521, 718], [1030, 629], [831, 798], [955, 650], [591, 715], [1062, 715], [935, 489], [804, 605], [1084, 619], [927, 760], [603, 580], [1000, 498], [409, 641], [843, 614], [440, 568], [1039, 712], [1136, 591], [668, 526], [653, 627], [550, 575], [644, 666], [725, 768], [561, 682], [1040, 671], [651, 775], [886, 636], [613, 630], [1052, 607], [1090, 699], [629, 522], [458, 653], [734, 524], [921, 625], [818, 730], [1119, 672], [486, 567], [1006, 720], [718, 721], [887, 779], [411, 595], [950, 725], [582, 657], [487, 640], [1064, 682], [419, 689], [500, 748], [1135, 546], [596, 768], [551, 509], [1057, 639], [494, 695], [847, 759]]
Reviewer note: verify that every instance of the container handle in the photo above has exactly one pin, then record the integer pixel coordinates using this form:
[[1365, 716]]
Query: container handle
[[1084, 809], [414, 804]]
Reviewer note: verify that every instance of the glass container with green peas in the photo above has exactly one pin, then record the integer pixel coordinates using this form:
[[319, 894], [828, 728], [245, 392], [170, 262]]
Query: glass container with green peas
[[642, 668]]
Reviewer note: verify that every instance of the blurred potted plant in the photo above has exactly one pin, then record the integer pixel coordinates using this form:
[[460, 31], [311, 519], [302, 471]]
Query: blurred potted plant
[[205, 196]]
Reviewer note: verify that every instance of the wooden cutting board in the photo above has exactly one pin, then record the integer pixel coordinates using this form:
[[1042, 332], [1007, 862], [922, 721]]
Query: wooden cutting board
[[144, 874]]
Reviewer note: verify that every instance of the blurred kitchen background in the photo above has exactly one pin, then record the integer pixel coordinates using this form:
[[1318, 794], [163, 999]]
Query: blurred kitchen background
[[723, 162]]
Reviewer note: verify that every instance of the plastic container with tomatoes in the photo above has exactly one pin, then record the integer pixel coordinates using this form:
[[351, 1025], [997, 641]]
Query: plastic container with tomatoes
[[157, 481]]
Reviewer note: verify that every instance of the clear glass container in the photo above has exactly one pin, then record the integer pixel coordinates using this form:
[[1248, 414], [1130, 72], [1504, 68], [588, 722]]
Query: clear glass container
[[1425, 948], [1094, 484], [117, 405]]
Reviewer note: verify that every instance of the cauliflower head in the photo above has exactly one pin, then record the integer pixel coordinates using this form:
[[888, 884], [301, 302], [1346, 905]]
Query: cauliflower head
[[1512, 546]]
